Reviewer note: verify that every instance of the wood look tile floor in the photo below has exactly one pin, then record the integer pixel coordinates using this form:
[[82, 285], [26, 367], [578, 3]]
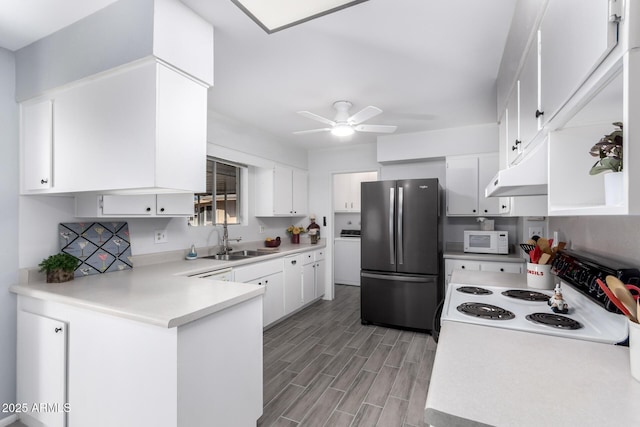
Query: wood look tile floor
[[322, 367]]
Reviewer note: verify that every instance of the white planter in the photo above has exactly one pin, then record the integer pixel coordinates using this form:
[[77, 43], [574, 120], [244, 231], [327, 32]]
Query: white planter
[[613, 188]]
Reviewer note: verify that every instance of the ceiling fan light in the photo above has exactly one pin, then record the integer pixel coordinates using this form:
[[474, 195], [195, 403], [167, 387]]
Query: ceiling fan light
[[342, 130]]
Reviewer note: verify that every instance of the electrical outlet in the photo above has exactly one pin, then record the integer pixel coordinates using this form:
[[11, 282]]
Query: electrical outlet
[[160, 236], [535, 231], [261, 229]]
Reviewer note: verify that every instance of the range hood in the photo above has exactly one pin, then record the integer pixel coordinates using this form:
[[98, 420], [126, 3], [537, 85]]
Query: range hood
[[527, 178]]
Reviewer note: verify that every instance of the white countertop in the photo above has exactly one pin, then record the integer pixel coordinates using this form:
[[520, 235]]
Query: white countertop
[[160, 294], [515, 257], [498, 377]]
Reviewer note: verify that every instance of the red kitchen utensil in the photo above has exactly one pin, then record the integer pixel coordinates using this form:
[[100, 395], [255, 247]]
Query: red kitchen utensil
[[634, 291], [613, 298], [535, 255]]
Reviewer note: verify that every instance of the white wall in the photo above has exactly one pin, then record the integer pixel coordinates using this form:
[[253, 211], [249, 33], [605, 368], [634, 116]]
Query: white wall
[[8, 227], [616, 237]]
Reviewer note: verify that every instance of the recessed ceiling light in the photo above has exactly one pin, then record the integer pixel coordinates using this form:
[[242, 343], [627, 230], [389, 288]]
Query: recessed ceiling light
[[276, 15]]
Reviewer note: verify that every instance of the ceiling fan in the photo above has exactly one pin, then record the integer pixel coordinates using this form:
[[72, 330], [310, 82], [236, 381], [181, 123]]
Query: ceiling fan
[[345, 125]]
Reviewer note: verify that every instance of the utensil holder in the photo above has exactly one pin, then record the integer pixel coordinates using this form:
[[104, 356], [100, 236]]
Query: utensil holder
[[634, 349], [539, 276]]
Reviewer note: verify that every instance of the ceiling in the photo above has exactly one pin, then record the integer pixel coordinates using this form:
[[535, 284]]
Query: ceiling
[[427, 64]]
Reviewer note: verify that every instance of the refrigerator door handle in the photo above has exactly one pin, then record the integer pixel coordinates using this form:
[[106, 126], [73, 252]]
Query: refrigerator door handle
[[400, 243], [392, 201], [419, 279]]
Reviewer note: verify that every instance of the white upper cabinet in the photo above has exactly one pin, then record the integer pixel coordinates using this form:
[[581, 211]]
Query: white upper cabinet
[[36, 126], [576, 35], [346, 190], [466, 179], [281, 191], [529, 116], [89, 205], [140, 127]]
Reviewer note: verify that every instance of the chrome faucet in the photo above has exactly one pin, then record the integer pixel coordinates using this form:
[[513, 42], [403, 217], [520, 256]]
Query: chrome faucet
[[225, 240]]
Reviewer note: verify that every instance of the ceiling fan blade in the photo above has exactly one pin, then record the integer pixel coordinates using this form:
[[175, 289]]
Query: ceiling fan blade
[[365, 114], [303, 132], [313, 116], [376, 128]]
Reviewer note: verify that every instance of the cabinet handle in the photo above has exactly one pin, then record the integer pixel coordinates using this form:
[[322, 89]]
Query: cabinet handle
[[485, 211], [502, 269], [293, 262], [463, 267], [161, 209], [474, 210], [539, 113], [56, 330], [266, 281], [44, 181], [515, 147], [504, 206], [148, 209]]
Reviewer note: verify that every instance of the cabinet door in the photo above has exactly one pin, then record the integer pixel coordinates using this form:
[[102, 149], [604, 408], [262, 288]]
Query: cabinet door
[[529, 120], [299, 192], [502, 267], [321, 275], [487, 169], [514, 147], [273, 299], [450, 265], [308, 283], [282, 191], [575, 37], [105, 133], [42, 365], [341, 192], [462, 186], [181, 151], [129, 205], [36, 128], [174, 204], [292, 283]]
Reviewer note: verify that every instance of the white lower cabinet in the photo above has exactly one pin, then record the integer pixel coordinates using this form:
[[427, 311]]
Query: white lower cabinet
[[292, 283], [145, 205], [270, 275], [481, 265], [116, 366], [320, 272], [42, 369]]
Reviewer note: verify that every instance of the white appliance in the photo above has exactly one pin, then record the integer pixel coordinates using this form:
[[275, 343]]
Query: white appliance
[[591, 315], [486, 242], [502, 311], [224, 275]]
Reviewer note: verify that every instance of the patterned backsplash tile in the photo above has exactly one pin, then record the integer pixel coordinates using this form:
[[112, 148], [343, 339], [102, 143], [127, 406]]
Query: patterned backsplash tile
[[101, 247]]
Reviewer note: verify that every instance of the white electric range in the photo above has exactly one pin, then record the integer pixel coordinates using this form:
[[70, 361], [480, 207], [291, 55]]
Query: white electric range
[[590, 316]]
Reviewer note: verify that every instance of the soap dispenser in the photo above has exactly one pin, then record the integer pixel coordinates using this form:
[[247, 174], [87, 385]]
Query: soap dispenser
[[192, 253]]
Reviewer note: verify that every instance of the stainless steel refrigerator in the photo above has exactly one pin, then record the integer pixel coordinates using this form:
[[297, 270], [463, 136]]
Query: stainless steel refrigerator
[[400, 253]]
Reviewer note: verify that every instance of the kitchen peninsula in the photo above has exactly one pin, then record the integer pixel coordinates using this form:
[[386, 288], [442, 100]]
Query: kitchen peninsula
[[147, 346]]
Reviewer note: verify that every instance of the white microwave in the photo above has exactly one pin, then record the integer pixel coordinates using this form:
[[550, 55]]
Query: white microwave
[[486, 242]]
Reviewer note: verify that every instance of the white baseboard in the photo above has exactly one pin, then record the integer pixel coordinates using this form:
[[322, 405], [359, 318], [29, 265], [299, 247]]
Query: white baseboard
[[9, 420]]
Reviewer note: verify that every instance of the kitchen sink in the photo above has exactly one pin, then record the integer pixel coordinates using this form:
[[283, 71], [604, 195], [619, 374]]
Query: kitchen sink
[[247, 253], [227, 257], [235, 255]]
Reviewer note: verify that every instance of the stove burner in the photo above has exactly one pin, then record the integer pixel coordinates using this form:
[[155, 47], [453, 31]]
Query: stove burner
[[485, 311], [554, 320], [523, 294], [475, 290]]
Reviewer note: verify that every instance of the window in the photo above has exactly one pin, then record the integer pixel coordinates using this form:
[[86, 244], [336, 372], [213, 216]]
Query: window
[[223, 187]]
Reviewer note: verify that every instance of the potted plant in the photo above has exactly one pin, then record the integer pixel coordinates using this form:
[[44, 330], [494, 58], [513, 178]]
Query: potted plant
[[609, 153], [59, 267], [295, 232]]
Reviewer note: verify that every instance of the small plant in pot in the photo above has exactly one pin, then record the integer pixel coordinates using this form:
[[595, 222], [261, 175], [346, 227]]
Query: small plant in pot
[[609, 152], [59, 267]]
